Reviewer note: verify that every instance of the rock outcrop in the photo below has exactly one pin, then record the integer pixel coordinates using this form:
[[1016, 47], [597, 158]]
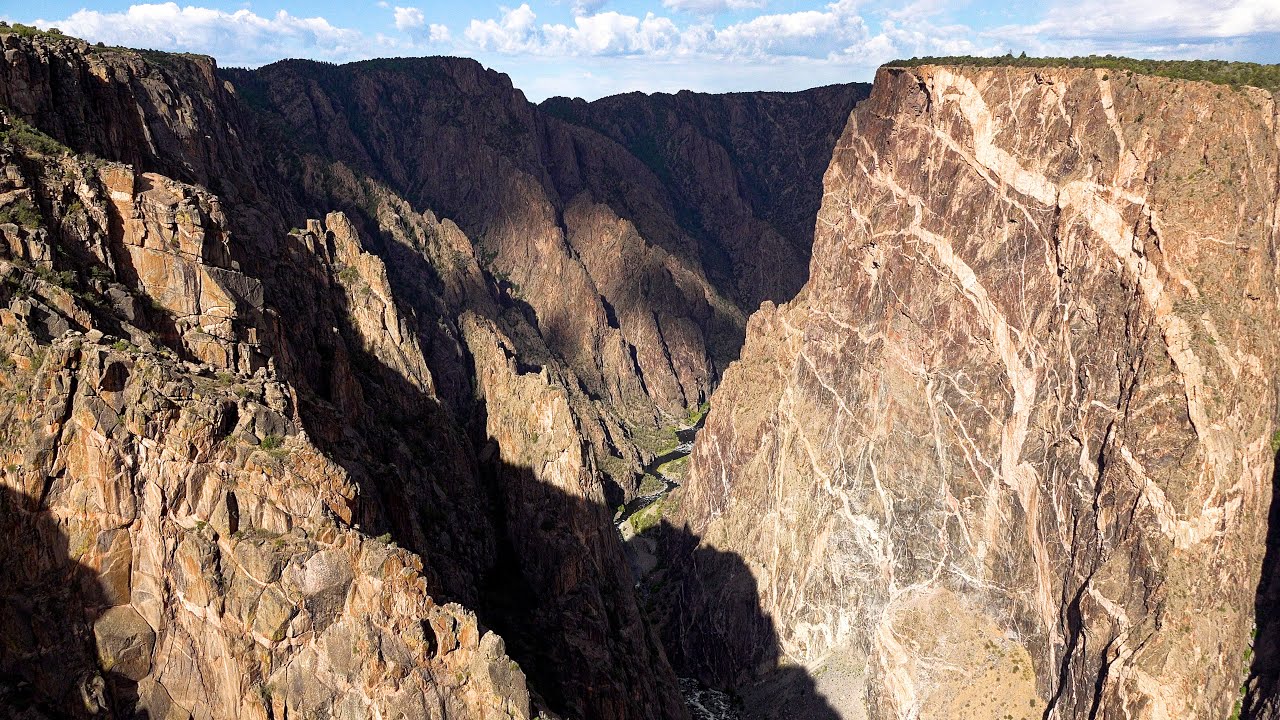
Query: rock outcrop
[[175, 544], [316, 403], [1009, 452], [276, 328], [617, 294]]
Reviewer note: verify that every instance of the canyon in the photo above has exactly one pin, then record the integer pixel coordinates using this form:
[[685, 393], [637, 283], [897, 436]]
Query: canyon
[[327, 390]]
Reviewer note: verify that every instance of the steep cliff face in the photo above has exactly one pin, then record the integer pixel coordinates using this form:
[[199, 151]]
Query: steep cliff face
[[1008, 453], [636, 273], [175, 543], [743, 171], [617, 293], [274, 399]]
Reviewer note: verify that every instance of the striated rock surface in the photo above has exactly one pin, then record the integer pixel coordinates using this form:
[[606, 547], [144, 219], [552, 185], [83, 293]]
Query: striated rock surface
[[1008, 453], [618, 294]]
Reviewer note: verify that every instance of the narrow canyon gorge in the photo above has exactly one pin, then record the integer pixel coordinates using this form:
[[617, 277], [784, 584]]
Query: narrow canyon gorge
[[377, 390]]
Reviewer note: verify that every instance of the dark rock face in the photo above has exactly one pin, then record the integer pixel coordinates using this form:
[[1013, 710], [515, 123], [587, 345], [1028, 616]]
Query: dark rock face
[[245, 360], [639, 268], [1008, 453], [743, 171], [573, 226], [318, 385]]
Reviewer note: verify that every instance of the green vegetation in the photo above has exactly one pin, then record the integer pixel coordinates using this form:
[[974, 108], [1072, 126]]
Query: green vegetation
[[170, 60], [347, 274], [675, 469], [64, 279], [1221, 72], [697, 413], [503, 278], [615, 467], [646, 518], [30, 30], [22, 134], [21, 212], [657, 440], [273, 446], [1275, 448], [254, 534], [651, 485]]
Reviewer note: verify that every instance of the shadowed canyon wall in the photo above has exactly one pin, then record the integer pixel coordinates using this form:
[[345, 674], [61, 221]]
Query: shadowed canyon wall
[[637, 275]]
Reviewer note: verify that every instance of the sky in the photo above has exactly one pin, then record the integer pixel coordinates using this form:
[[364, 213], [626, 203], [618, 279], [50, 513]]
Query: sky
[[594, 48]]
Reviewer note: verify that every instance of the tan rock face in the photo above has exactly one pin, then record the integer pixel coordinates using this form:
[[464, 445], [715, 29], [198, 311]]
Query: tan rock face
[[174, 543], [125, 642], [240, 582], [1018, 420], [213, 416]]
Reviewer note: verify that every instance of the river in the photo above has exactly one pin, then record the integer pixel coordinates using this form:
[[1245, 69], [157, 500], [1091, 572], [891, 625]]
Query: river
[[704, 703], [684, 438]]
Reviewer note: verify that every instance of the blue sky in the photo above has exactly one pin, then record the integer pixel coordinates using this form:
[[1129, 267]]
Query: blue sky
[[592, 48]]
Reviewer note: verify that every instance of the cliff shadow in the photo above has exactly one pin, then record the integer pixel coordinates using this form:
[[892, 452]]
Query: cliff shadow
[[706, 605], [1263, 683], [54, 613], [586, 628], [543, 567]]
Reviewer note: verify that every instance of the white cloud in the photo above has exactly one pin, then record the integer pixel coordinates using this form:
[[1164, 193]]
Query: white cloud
[[586, 7], [235, 38], [409, 18], [840, 40], [607, 33], [711, 7], [611, 33], [1171, 29], [513, 34], [838, 32], [810, 33], [1161, 19], [836, 29]]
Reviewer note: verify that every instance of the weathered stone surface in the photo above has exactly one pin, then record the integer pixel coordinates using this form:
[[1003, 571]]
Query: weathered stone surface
[[1012, 440], [125, 642], [150, 430]]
